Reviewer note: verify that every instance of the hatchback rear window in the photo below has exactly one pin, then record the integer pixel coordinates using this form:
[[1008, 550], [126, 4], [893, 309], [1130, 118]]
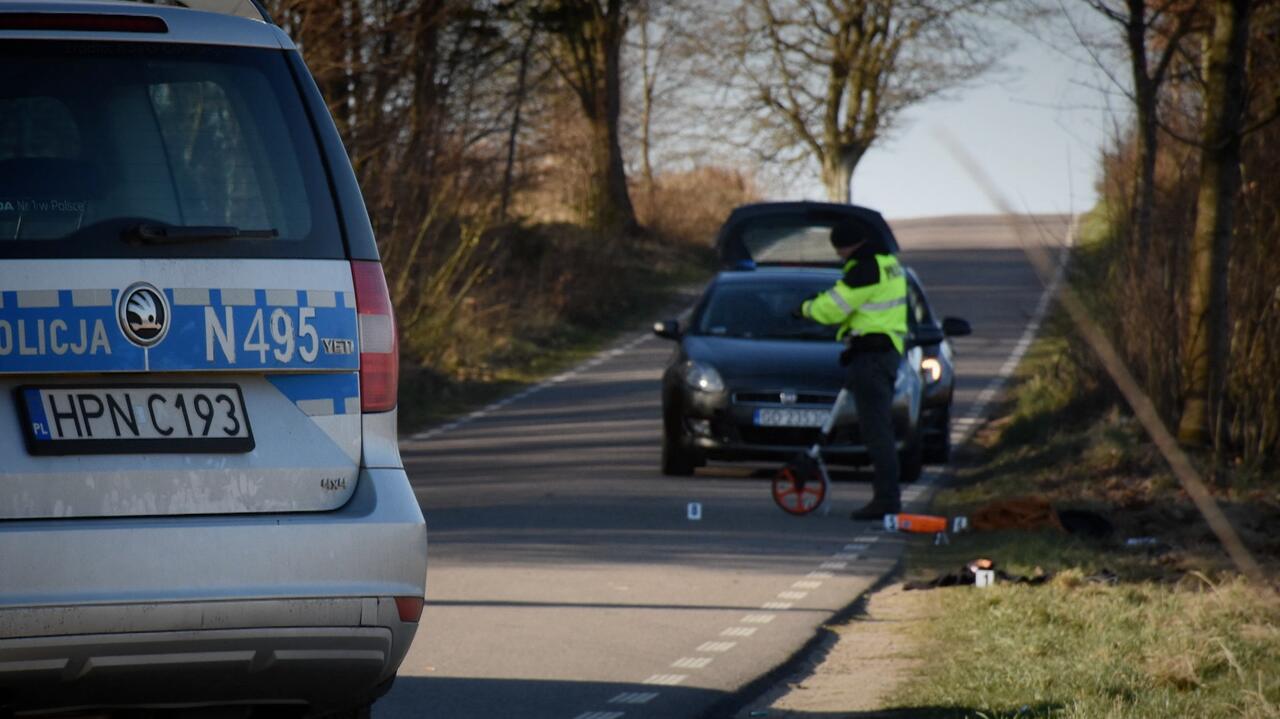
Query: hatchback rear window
[[158, 150]]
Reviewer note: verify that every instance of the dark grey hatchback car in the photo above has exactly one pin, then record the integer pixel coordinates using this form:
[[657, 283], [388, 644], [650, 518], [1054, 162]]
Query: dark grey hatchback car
[[747, 381]]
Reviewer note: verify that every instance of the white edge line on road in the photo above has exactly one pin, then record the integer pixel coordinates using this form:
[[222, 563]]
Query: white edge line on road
[[970, 421], [718, 647], [634, 698], [598, 359]]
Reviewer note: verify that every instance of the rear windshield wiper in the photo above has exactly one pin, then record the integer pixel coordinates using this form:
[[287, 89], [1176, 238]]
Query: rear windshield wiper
[[161, 234]]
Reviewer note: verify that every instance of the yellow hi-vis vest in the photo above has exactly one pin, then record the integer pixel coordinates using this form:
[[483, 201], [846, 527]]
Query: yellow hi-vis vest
[[865, 302]]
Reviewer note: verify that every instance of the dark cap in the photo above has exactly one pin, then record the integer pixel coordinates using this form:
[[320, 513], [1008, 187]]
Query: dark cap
[[846, 234]]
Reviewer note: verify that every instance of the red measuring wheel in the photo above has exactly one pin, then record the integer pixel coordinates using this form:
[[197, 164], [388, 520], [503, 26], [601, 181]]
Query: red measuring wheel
[[799, 487]]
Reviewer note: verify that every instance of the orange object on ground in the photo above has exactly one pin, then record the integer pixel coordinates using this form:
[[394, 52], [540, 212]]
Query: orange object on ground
[[1029, 513], [921, 523]]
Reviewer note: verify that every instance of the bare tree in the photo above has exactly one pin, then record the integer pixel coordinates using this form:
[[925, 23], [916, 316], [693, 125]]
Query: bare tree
[[1153, 32], [588, 37], [824, 80], [1204, 354]]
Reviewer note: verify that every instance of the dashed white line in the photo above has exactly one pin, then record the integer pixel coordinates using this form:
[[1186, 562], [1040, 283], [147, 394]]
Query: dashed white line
[[634, 698], [738, 632], [819, 575], [600, 358], [855, 547], [867, 539], [833, 565], [666, 680], [692, 662], [806, 584], [777, 606], [846, 555], [792, 595], [717, 647], [757, 619]]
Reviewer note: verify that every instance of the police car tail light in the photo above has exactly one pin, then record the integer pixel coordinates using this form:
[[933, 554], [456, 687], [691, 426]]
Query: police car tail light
[[379, 346]]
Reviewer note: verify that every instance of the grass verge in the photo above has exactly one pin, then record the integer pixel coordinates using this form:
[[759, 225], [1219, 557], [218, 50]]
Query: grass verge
[[1162, 630]]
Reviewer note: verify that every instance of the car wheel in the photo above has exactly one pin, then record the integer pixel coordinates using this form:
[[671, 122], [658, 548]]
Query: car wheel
[[676, 460], [940, 452], [911, 461]]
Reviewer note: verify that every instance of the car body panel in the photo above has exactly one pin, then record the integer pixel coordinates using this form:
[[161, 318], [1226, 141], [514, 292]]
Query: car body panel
[[185, 25], [283, 332], [271, 574], [810, 249]]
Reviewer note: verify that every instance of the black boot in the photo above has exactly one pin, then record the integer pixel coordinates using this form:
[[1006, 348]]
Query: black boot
[[874, 511]]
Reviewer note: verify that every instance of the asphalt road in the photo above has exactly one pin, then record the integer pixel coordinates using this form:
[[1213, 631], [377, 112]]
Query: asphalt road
[[566, 580]]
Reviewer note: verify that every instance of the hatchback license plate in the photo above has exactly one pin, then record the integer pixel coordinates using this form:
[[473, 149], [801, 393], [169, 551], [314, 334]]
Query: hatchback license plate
[[791, 417], [126, 419]]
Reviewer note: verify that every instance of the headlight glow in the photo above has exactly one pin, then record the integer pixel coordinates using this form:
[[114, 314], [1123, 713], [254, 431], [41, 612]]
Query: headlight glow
[[931, 368], [703, 377]]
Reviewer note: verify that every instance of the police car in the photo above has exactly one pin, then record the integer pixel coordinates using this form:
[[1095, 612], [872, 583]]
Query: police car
[[201, 497]]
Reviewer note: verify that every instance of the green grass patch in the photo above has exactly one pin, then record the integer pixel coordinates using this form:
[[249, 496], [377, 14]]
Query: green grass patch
[[1118, 631], [1071, 648]]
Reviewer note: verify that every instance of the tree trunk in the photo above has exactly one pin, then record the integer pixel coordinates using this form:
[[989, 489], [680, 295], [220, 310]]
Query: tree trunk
[[837, 175], [1144, 100], [1145, 189], [648, 81], [513, 133], [1204, 353], [608, 201], [608, 204]]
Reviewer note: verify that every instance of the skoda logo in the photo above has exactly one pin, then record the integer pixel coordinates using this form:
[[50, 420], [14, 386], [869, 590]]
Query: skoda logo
[[788, 396], [144, 314]]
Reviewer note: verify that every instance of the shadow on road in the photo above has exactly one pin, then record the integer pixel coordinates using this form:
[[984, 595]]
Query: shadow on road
[[1026, 711], [468, 698]]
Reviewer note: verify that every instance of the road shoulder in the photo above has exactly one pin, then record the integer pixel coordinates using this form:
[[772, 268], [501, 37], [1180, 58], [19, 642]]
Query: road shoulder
[[857, 667]]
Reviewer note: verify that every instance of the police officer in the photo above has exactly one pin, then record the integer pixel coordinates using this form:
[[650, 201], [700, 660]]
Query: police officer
[[870, 305]]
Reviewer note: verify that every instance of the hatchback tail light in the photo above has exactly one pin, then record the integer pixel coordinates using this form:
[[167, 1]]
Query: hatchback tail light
[[379, 345]]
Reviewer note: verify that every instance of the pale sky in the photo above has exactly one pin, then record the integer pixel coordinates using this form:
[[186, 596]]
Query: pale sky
[[1037, 128]]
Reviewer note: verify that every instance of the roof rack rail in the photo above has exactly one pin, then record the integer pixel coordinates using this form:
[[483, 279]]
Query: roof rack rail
[[251, 9]]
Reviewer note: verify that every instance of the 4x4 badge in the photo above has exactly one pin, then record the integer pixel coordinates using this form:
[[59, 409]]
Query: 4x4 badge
[[144, 314]]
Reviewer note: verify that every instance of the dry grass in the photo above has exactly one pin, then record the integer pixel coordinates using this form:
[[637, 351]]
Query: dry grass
[[1175, 632], [549, 294]]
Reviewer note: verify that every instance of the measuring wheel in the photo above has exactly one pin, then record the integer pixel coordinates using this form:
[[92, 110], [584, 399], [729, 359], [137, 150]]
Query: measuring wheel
[[800, 486]]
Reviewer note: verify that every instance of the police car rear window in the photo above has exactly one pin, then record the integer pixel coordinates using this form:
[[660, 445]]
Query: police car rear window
[[158, 150]]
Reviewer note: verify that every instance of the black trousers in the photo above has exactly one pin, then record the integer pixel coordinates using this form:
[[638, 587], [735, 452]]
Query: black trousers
[[870, 380]]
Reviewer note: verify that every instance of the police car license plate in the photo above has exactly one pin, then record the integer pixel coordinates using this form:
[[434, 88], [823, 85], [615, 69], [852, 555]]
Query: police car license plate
[[124, 419], [791, 417]]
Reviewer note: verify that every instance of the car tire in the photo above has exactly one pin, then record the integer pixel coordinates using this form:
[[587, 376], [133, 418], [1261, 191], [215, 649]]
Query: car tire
[[676, 460], [911, 461], [941, 453]]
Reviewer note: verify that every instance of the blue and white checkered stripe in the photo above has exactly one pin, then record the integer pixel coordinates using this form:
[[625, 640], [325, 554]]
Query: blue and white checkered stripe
[[211, 329]]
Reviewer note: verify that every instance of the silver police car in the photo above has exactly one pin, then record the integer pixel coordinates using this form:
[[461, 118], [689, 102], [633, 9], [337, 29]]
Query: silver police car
[[201, 497]]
